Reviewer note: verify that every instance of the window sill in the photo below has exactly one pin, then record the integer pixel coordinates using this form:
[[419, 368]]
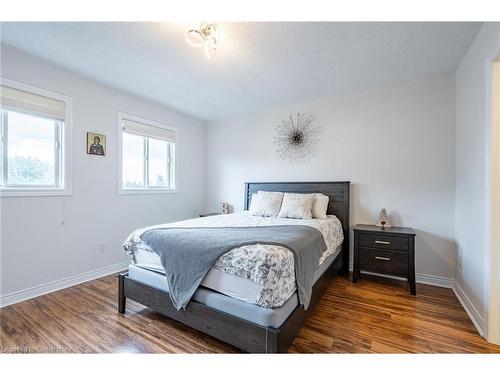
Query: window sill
[[33, 192], [147, 191]]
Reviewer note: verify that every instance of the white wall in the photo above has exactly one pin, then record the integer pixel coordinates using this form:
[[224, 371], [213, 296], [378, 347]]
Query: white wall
[[45, 239], [396, 145], [472, 142]]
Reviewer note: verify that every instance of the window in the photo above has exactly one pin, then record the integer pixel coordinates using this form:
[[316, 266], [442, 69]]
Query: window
[[148, 156], [35, 130]]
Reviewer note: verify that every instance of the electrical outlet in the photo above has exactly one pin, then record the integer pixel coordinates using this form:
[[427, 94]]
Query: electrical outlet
[[101, 249]]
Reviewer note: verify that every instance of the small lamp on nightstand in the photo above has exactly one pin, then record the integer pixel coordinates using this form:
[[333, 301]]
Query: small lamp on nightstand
[[383, 219]]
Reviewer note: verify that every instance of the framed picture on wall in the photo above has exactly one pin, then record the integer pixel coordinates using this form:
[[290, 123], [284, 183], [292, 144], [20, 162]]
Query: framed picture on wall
[[96, 144]]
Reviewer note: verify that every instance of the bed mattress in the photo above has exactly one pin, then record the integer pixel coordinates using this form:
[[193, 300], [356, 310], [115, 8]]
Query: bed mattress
[[263, 316], [257, 274]]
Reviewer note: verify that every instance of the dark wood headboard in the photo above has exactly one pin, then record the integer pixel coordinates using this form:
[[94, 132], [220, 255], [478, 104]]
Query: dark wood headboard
[[338, 192]]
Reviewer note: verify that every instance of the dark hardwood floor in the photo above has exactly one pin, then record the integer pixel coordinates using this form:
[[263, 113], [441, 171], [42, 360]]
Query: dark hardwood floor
[[373, 316]]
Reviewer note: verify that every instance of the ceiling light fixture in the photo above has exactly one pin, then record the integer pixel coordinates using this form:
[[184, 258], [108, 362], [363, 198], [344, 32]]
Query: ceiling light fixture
[[208, 35]]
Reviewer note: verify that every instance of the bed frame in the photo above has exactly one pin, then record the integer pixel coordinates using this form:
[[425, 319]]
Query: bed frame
[[238, 332]]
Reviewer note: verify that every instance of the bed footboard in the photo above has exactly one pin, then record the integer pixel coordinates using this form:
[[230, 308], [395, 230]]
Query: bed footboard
[[241, 333]]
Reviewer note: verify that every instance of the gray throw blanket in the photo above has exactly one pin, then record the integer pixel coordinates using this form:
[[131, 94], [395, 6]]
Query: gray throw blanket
[[187, 254]]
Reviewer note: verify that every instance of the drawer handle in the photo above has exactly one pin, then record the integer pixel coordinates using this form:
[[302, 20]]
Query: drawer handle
[[382, 258], [382, 242]]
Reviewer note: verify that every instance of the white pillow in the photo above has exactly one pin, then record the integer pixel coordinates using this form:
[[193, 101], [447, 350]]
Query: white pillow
[[297, 206], [266, 203], [320, 206]]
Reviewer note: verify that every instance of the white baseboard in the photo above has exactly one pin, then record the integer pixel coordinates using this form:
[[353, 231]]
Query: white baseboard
[[22, 295], [469, 308], [444, 282]]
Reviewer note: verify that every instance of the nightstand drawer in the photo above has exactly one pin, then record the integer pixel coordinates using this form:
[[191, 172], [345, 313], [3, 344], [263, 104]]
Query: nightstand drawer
[[383, 261], [382, 241]]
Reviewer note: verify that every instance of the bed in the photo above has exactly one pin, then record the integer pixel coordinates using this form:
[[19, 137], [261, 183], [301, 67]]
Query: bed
[[233, 306]]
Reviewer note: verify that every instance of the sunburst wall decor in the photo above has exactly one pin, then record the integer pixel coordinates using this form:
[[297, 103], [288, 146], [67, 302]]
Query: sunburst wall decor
[[296, 137]]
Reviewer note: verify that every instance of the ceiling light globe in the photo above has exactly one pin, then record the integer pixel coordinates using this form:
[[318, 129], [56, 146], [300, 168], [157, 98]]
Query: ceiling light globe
[[210, 48], [217, 32], [194, 38]]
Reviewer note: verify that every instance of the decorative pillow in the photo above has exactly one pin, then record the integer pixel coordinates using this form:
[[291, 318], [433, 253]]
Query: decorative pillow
[[266, 203], [297, 206], [320, 206]]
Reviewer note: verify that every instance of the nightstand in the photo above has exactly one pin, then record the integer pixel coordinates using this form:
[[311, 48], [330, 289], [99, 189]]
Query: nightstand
[[388, 251], [210, 214]]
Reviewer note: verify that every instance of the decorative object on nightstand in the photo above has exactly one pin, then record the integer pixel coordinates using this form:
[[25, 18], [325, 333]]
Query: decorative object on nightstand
[[210, 214], [224, 208], [386, 251], [383, 219]]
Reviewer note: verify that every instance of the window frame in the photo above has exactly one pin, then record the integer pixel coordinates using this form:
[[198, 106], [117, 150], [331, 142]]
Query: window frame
[[146, 190], [62, 149]]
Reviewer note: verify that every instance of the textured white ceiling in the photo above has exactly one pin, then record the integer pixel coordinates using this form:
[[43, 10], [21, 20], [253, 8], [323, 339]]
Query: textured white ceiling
[[259, 65]]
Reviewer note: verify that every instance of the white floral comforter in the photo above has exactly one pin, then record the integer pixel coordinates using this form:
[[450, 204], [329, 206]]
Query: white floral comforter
[[268, 265]]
